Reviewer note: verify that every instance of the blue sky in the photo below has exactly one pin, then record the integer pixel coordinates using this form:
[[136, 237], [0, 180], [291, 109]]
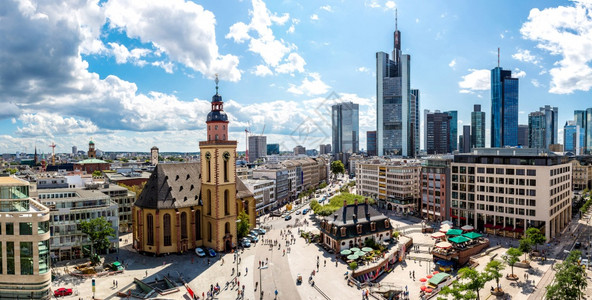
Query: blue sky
[[133, 74]]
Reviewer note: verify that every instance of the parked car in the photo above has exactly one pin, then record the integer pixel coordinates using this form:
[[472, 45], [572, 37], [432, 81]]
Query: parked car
[[246, 243], [288, 218], [200, 252], [305, 211], [61, 292], [578, 245], [297, 212], [253, 232], [253, 238], [211, 252], [260, 230]]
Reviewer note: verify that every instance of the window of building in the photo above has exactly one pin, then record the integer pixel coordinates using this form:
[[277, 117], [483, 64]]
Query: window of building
[[343, 230], [9, 228], [209, 232], [10, 258], [26, 228], [387, 223], [226, 203], [198, 224], [373, 226], [359, 228], [209, 202], [150, 230], [166, 220], [183, 225], [26, 258]]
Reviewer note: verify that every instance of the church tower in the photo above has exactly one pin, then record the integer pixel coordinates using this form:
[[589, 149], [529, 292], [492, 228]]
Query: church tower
[[218, 180], [92, 153]]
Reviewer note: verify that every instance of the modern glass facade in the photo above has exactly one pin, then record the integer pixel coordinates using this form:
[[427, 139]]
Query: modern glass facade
[[536, 130], [453, 143], [438, 133], [345, 127], [572, 137], [477, 127], [580, 118], [523, 135], [371, 143], [588, 138], [551, 125], [273, 149], [504, 108]]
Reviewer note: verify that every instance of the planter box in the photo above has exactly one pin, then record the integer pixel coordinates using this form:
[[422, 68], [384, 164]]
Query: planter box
[[522, 265]]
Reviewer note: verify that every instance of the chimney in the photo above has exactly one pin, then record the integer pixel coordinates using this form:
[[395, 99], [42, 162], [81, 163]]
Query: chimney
[[355, 208]]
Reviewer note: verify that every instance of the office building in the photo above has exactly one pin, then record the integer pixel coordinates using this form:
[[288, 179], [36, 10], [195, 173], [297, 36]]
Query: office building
[[273, 149], [583, 119], [477, 127], [395, 103], [523, 136], [437, 132], [125, 202], [551, 125], [154, 155], [582, 175], [25, 266], [281, 180], [325, 149], [465, 140], [371, 143], [414, 120], [264, 193], [299, 150], [536, 130], [435, 189], [573, 138], [504, 108], [257, 147], [345, 127], [504, 191], [74, 150], [453, 139]]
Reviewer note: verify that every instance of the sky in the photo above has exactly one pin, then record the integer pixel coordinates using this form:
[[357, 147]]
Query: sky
[[135, 74]]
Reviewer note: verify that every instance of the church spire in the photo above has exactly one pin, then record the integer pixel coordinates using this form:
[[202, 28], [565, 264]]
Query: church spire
[[217, 83], [217, 119]]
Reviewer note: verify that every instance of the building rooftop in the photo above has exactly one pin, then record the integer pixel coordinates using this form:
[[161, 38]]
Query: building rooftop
[[92, 161], [12, 181], [81, 194]]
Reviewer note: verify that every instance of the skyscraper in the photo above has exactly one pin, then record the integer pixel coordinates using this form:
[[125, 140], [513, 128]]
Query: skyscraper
[[257, 147], [573, 137], [504, 108], [325, 149], [273, 149], [371, 143], [396, 105], [437, 133], [580, 118], [477, 127], [536, 130], [551, 125], [466, 140], [523, 135], [453, 145], [588, 130], [345, 127]]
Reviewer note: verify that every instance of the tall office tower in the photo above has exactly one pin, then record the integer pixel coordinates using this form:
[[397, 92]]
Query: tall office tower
[[325, 149], [477, 127], [504, 108], [453, 144], [581, 120], [573, 137], [437, 132], [371, 143], [551, 125], [536, 130], [345, 127], [466, 140], [257, 147], [415, 119], [523, 135], [394, 104], [273, 149], [74, 150], [588, 130]]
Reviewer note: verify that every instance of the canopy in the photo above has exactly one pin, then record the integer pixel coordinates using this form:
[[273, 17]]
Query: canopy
[[423, 287], [345, 252], [438, 235], [117, 264], [438, 278], [354, 249], [352, 257], [429, 276], [472, 235], [454, 232], [467, 228], [367, 249], [444, 245], [445, 228], [360, 253], [429, 290], [458, 239], [423, 280], [447, 222]]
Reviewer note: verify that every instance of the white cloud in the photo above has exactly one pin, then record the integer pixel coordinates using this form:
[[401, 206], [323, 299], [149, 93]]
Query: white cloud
[[327, 8], [416, 20], [314, 17], [535, 83], [185, 31], [294, 62], [262, 71], [372, 4], [525, 56], [47, 124], [501, 35], [564, 31], [452, 63], [123, 55], [291, 29], [476, 80], [310, 87], [518, 73], [390, 5], [363, 70], [166, 66]]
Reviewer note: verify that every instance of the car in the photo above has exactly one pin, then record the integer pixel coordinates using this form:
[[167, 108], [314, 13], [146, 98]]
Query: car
[[288, 218], [305, 211], [260, 230], [577, 245], [584, 262], [246, 243], [61, 292], [211, 252], [254, 232], [200, 252], [297, 212], [253, 238]]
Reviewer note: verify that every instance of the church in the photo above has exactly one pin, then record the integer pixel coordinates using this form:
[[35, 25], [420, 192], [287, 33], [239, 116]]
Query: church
[[189, 205]]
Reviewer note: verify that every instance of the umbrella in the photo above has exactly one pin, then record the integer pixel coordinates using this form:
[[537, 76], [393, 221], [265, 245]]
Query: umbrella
[[354, 249], [352, 257], [445, 228], [454, 232], [446, 222], [438, 235], [467, 228], [367, 249], [428, 290], [472, 235], [430, 276], [423, 280], [360, 253], [423, 287], [435, 272], [459, 239], [345, 252], [444, 245]]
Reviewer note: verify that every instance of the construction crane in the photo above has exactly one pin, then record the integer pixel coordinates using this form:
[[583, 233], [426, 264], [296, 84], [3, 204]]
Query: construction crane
[[53, 145], [263, 129], [247, 144]]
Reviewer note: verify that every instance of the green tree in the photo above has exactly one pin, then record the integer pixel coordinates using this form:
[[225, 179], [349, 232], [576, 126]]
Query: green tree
[[570, 279], [525, 246], [337, 167], [99, 231], [135, 188], [512, 257], [97, 173], [467, 285], [493, 269], [535, 236], [353, 265], [243, 225]]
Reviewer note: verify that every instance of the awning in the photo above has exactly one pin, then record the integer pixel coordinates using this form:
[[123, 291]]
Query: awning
[[438, 278], [509, 228], [444, 245], [458, 239], [518, 229], [472, 235], [454, 232], [497, 227], [467, 228], [447, 222], [445, 263], [488, 225], [438, 235]]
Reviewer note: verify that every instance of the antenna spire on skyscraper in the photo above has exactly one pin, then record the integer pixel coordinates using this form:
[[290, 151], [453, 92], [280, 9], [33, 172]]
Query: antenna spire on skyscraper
[[396, 20], [498, 57], [216, 83]]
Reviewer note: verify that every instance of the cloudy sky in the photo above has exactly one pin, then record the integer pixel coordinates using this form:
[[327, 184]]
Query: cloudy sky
[[133, 74]]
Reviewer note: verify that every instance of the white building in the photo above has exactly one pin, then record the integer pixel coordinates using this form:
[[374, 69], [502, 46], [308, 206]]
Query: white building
[[264, 193]]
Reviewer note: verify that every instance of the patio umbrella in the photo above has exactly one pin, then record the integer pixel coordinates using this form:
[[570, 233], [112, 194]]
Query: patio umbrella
[[345, 252], [435, 272], [354, 249], [428, 290], [352, 257], [360, 253], [444, 229], [367, 249], [467, 228], [472, 235], [454, 232], [444, 245], [459, 239], [423, 279], [438, 235], [423, 287]]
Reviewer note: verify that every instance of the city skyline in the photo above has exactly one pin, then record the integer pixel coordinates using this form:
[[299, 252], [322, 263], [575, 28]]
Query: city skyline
[[90, 72]]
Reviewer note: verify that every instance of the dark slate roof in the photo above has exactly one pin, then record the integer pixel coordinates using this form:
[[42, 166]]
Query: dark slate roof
[[365, 214], [176, 186]]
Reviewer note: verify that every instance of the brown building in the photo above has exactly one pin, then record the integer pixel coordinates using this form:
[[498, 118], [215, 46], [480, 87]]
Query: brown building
[[435, 189], [582, 175], [92, 164]]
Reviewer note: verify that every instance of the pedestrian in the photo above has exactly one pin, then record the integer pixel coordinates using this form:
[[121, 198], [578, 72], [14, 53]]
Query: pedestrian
[[146, 273], [335, 263], [325, 263]]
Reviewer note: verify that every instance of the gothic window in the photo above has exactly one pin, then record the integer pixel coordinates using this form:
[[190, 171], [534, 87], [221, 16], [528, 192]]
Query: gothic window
[[227, 228], [183, 225], [226, 203], [166, 220], [198, 224], [209, 232], [226, 157], [209, 204], [150, 230], [208, 156]]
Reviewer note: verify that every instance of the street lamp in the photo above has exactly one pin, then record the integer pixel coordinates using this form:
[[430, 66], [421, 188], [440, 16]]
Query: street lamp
[[260, 282]]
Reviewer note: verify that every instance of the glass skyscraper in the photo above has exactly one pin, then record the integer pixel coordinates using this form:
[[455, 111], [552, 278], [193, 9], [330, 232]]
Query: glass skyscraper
[[453, 145], [573, 137], [523, 135], [551, 125], [345, 127], [437, 132], [536, 130], [371, 143], [504, 108], [477, 127]]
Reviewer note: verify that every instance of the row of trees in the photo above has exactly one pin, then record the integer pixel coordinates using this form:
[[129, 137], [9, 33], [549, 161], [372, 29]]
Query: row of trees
[[570, 279], [471, 281]]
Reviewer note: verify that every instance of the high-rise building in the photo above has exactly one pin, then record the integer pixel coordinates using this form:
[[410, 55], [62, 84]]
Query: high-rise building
[[345, 127], [437, 133], [371, 143], [395, 103], [477, 127], [325, 149], [551, 125], [504, 108], [536, 130], [74, 150], [523, 135], [573, 137], [453, 144], [414, 117], [589, 131], [299, 150], [435, 189], [273, 149], [466, 140], [580, 118], [257, 147]]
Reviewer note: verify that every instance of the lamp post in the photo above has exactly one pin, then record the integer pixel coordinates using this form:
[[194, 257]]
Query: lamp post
[[260, 282]]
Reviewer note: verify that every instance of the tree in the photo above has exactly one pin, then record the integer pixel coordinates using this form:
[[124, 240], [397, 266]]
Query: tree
[[97, 173], [570, 279], [243, 225], [525, 246], [511, 258], [468, 285], [135, 188], [99, 231], [493, 269], [337, 167], [535, 236]]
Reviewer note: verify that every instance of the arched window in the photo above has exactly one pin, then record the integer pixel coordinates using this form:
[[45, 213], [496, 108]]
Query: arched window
[[208, 163], [183, 225], [166, 220], [150, 229], [227, 228], [209, 232], [209, 202], [198, 224], [226, 203]]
